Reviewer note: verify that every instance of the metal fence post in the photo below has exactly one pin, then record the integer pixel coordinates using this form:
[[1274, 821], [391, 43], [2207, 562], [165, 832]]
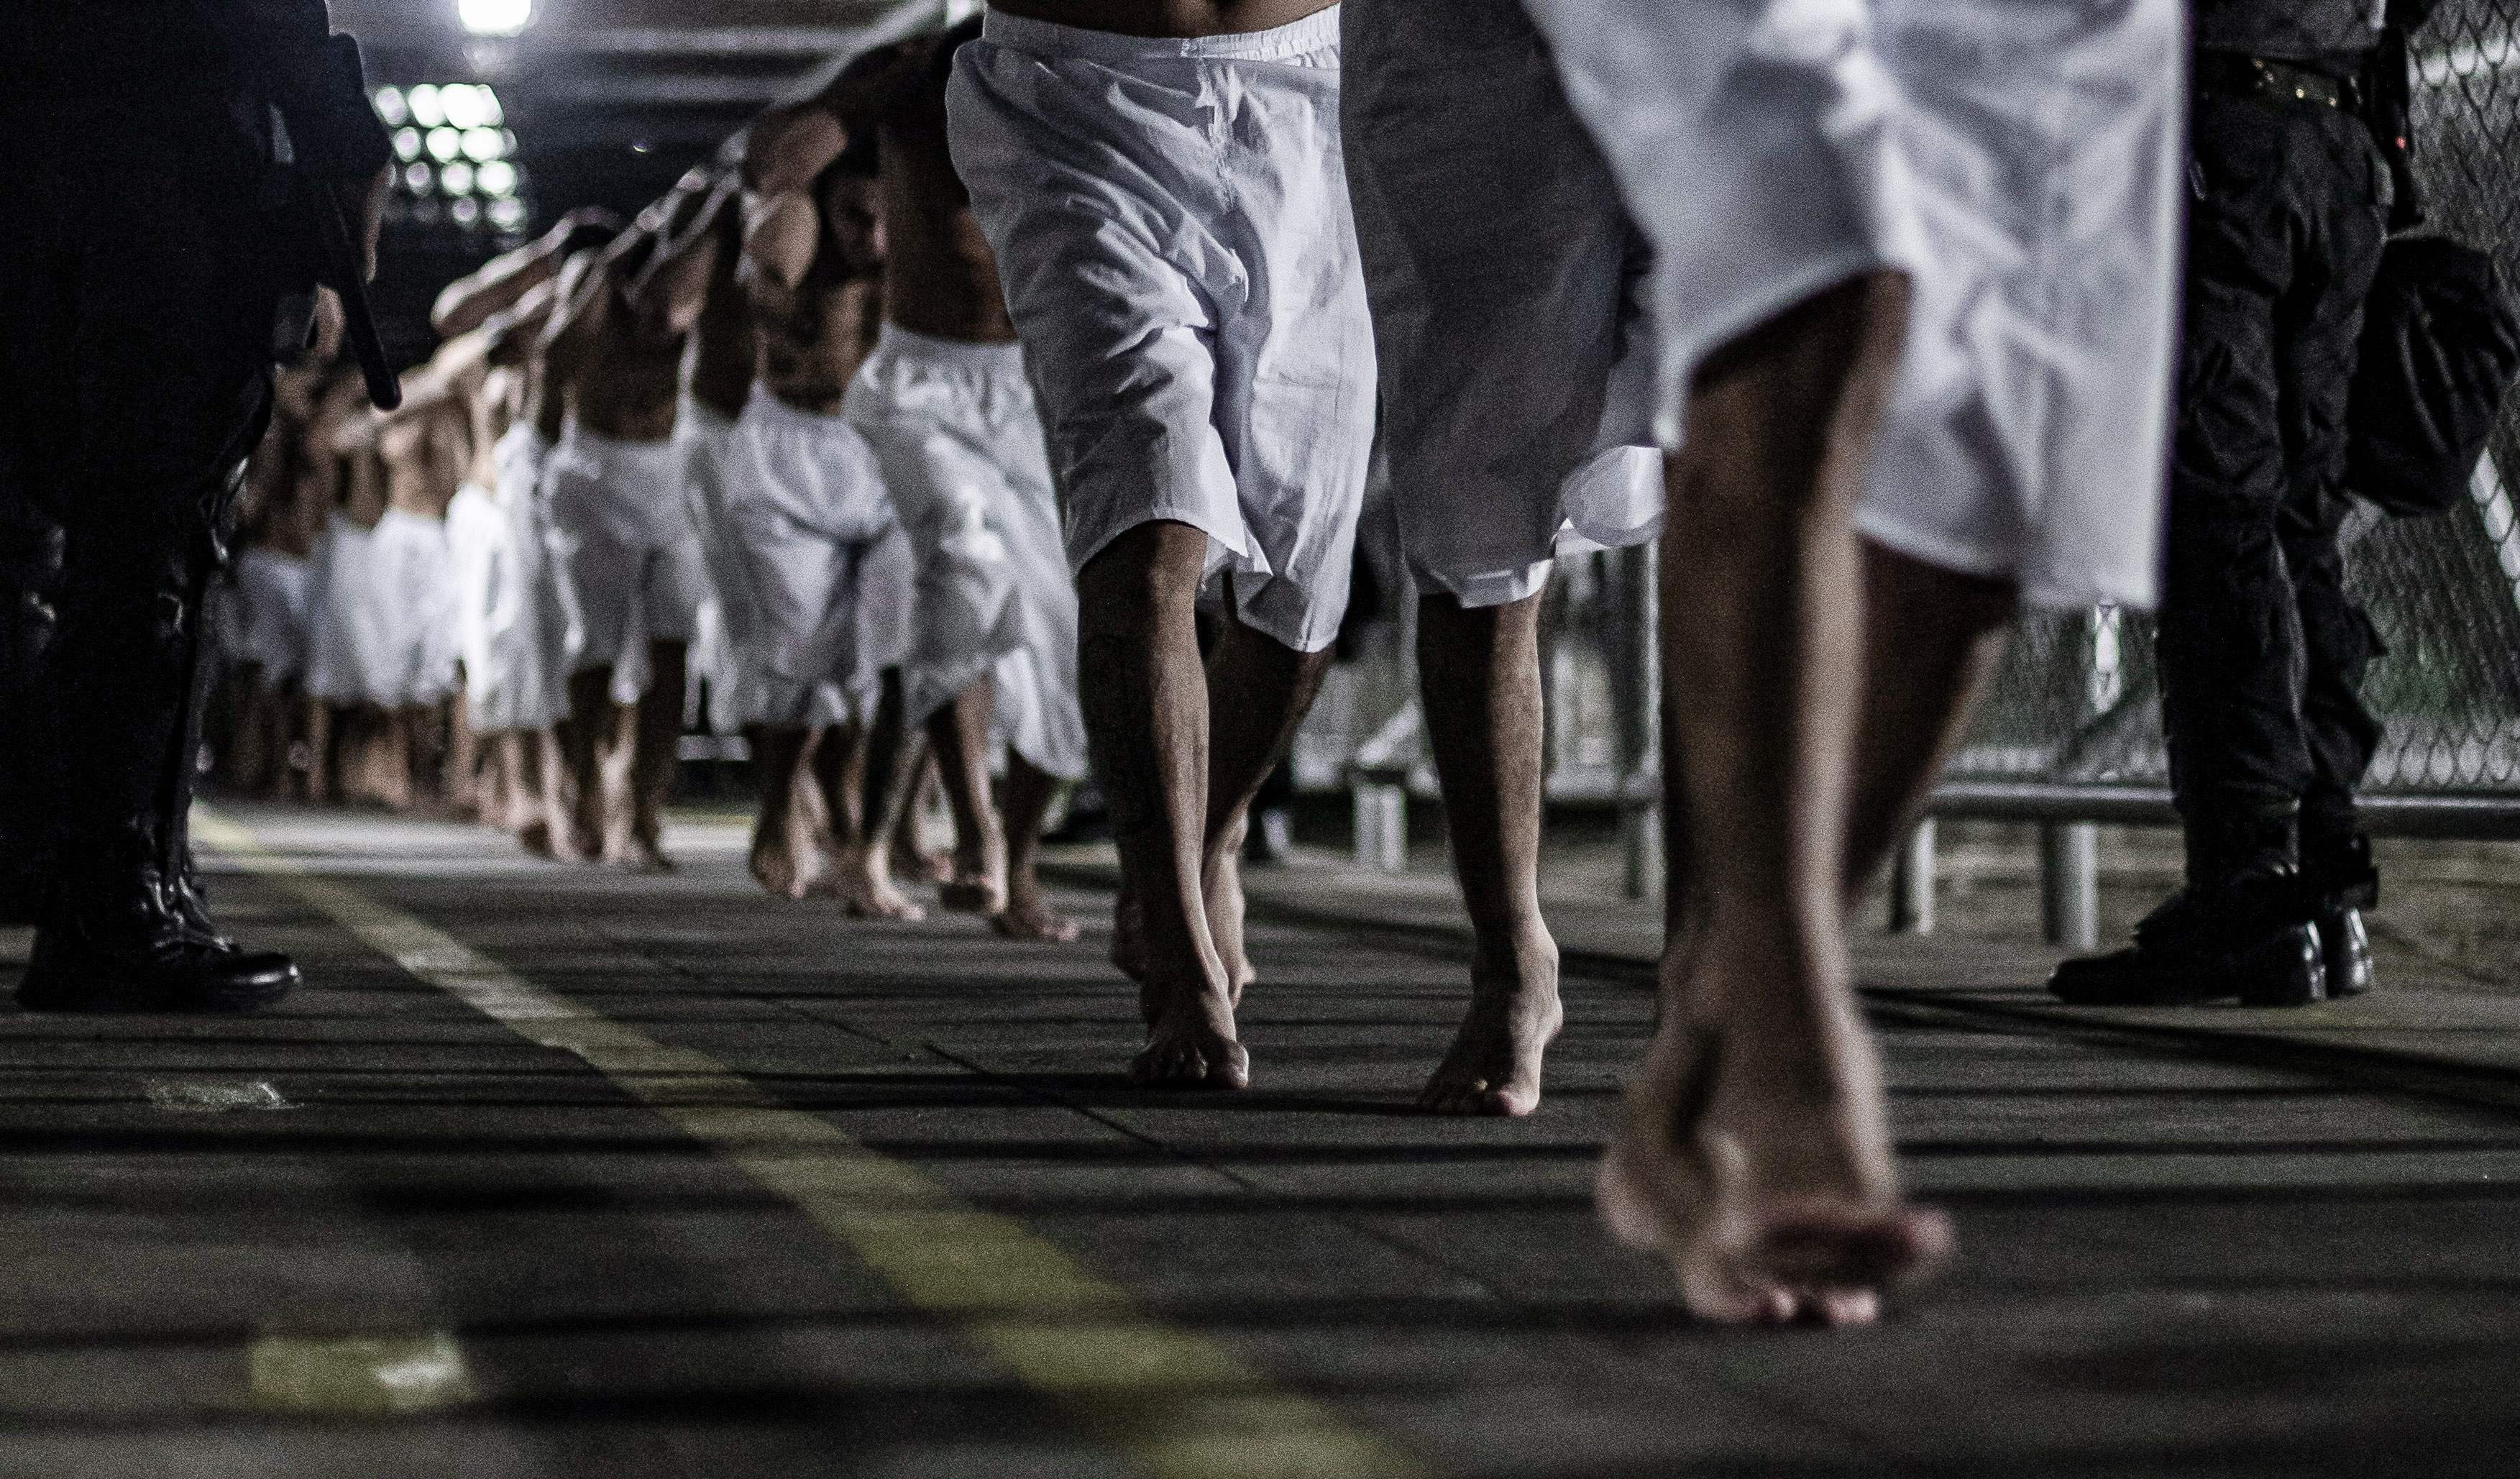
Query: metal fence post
[[1912, 882], [2069, 883]]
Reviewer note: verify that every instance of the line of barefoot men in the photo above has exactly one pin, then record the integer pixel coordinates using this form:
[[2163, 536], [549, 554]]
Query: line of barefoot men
[[1892, 387], [762, 436]]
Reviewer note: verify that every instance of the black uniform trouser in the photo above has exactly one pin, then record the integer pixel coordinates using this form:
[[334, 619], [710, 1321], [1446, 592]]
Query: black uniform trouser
[[140, 275], [2262, 648]]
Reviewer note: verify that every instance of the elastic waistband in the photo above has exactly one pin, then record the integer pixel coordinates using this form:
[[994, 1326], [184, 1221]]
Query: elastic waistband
[[766, 407], [613, 448], [956, 354], [1318, 31]]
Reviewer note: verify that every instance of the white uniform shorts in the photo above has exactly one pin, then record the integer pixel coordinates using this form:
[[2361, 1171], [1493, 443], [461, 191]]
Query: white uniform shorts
[[382, 613], [742, 690], [960, 444], [1170, 218], [622, 539], [262, 613], [505, 598], [830, 569], [1508, 288], [2019, 160]]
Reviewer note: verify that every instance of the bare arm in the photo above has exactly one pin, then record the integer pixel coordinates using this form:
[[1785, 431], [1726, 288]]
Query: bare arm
[[514, 334], [674, 289], [469, 301], [583, 296]]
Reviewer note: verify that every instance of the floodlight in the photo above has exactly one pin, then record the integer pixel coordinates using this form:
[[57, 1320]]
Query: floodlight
[[494, 18], [425, 108], [444, 144], [461, 100], [391, 107], [456, 178], [495, 178], [508, 215], [482, 144], [416, 179], [407, 144]]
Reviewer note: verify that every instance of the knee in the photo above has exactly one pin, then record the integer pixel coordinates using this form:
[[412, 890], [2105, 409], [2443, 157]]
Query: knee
[[1147, 573]]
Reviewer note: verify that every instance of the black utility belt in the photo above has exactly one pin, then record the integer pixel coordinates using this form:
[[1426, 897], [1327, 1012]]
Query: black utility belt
[[2270, 80]]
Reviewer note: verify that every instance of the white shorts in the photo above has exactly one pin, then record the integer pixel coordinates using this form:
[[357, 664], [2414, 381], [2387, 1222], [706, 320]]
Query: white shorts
[[415, 582], [828, 567], [262, 613], [1508, 288], [623, 542], [2019, 160], [1170, 218], [380, 614], [534, 644], [742, 690], [961, 445]]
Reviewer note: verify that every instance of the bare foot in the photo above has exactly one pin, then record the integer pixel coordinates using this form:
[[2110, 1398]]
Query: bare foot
[[922, 867], [1191, 1042], [1225, 909], [865, 887], [781, 846], [1493, 1068], [1029, 916], [1772, 1202], [980, 882], [640, 855]]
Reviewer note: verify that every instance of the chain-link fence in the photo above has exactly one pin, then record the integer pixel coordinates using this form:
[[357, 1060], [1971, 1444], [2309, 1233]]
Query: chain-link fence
[[2074, 723]]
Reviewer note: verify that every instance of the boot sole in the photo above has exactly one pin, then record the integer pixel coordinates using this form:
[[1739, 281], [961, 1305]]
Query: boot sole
[[96, 996]]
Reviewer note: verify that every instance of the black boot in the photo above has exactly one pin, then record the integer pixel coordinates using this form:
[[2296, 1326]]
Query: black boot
[[2338, 883], [126, 929], [124, 946], [2243, 939]]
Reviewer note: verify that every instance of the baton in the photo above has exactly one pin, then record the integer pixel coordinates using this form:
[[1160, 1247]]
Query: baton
[[332, 226]]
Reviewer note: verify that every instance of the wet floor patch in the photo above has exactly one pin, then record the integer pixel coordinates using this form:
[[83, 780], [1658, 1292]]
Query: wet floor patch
[[200, 1096], [383, 1375]]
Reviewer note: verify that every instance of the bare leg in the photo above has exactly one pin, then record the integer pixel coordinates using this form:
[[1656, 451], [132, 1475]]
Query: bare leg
[[912, 856], [836, 763], [892, 760], [464, 788], [581, 739], [1931, 639], [1258, 691], [323, 755], [546, 770], [527, 818], [958, 734], [1481, 668], [1755, 1152], [655, 742], [1146, 719], [783, 844], [1027, 915]]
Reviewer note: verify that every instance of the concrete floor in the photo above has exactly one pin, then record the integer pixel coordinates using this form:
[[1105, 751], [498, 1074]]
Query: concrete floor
[[559, 1173]]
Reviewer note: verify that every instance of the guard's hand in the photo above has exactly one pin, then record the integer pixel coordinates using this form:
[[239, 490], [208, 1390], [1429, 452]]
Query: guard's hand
[[372, 219]]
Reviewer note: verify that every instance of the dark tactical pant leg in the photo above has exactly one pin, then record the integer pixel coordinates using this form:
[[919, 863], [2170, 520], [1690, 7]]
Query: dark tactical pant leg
[[2262, 648], [138, 324]]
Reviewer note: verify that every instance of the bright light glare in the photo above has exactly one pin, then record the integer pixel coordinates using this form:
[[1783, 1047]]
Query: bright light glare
[[391, 107], [462, 102], [444, 144], [466, 212], [495, 178], [491, 113], [416, 179], [482, 144], [425, 110], [407, 143], [494, 18], [456, 178], [507, 215]]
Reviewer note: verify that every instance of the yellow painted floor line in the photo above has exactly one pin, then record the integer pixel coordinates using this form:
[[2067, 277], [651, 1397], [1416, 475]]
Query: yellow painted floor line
[[1177, 1401]]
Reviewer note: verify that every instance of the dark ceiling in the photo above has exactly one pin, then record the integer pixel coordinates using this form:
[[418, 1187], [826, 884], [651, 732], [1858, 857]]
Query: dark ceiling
[[610, 100]]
